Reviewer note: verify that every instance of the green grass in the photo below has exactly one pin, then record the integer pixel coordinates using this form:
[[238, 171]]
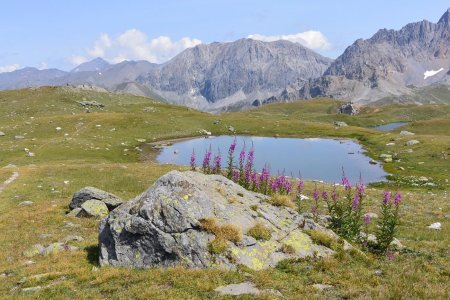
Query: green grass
[[108, 159]]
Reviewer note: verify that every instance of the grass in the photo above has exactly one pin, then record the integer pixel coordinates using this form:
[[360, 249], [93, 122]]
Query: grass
[[282, 200], [108, 159], [260, 232], [223, 234]]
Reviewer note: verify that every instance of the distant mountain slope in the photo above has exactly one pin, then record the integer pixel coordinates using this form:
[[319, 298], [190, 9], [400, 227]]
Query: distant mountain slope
[[97, 64], [29, 77], [213, 77], [388, 64], [218, 75]]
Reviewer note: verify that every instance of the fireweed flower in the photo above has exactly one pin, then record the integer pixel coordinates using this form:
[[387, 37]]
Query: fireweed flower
[[397, 198], [316, 194], [217, 163], [334, 195], [355, 203], [300, 185], [236, 175], [387, 197], [345, 181], [231, 158], [367, 219], [324, 196], [207, 160], [193, 158]]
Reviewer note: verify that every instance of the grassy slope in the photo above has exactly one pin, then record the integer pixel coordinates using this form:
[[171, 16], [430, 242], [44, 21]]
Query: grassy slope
[[97, 155]]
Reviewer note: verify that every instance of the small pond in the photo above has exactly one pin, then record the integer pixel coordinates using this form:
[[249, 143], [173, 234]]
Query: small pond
[[390, 126], [315, 158]]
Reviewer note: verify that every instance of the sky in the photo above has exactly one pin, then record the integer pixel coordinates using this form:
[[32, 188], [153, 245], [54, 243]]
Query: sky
[[63, 34]]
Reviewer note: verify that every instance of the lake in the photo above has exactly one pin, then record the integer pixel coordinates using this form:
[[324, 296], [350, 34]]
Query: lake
[[313, 158], [390, 126]]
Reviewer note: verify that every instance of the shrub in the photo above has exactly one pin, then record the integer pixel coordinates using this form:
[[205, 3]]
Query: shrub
[[288, 249], [260, 232], [387, 222]]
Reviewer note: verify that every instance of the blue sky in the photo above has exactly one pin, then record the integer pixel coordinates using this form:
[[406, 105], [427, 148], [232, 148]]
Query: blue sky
[[50, 33]]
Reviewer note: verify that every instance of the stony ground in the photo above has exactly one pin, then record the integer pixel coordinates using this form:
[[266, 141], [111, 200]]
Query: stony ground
[[102, 149]]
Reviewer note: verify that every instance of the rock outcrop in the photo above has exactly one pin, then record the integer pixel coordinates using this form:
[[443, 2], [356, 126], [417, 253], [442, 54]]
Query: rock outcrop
[[165, 226], [92, 193]]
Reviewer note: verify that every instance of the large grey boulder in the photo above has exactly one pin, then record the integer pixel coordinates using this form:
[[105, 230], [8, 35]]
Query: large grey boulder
[[163, 226], [92, 193]]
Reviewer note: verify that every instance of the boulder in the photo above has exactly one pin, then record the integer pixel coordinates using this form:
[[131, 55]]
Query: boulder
[[340, 124], [93, 209], [165, 226], [406, 133], [92, 193], [412, 142], [348, 109]]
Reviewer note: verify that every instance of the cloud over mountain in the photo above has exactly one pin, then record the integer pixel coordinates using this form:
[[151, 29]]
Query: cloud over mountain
[[134, 44], [311, 39]]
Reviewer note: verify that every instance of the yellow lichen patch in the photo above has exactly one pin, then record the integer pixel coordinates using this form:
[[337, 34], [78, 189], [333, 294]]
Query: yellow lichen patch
[[256, 257], [299, 241]]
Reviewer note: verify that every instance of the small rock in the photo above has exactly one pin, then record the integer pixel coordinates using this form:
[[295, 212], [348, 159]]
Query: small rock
[[25, 203], [406, 133], [231, 129], [322, 287], [387, 159], [93, 208], [28, 262], [33, 250], [71, 225], [383, 155], [70, 238], [447, 215], [400, 168], [58, 128], [2, 133], [92, 193], [435, 226], [378, 273], [373, 162], [44, 236], [340, 124], [31, 289], [412, 142], [74, 212], [19, 137], [238, 289], [396, 244], [390, 144]]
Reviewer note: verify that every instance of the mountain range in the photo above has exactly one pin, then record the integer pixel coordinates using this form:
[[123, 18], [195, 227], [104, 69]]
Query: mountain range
[[236, 75]]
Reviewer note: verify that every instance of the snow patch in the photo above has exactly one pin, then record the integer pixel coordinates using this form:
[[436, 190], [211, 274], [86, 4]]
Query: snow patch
[[431, 73]]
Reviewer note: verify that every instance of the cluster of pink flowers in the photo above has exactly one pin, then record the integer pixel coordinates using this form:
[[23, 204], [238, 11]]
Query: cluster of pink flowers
[[388, 199]]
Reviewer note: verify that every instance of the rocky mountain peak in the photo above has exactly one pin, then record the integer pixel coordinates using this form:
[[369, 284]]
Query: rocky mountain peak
[[445, 19]]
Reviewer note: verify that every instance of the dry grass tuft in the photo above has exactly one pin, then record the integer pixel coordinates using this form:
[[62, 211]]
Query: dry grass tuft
[[282, 200], [260, 232]]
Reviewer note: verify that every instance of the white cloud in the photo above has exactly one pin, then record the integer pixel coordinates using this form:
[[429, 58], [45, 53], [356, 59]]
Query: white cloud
[[77, 59], [42, 66], [134, 44], [9, 68], [312, 39]]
